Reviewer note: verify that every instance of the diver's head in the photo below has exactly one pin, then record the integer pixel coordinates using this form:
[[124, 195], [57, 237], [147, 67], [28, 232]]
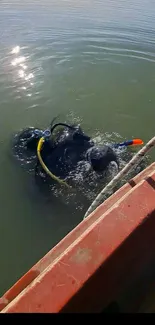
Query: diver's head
[[31, 137], [24, 146], [101, 157], [27, 139]]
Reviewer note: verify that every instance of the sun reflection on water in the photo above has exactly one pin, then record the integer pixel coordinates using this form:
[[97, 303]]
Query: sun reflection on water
[[19, 61], [15, 50]]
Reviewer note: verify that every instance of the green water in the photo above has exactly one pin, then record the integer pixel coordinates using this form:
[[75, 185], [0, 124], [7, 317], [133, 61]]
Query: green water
[[90, 61]]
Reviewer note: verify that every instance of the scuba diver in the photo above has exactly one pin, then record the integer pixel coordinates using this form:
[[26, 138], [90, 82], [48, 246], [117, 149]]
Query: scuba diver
[[59, 155]]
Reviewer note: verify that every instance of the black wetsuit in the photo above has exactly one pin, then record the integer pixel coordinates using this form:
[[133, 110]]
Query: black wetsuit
[[70, 151], [63, 155]]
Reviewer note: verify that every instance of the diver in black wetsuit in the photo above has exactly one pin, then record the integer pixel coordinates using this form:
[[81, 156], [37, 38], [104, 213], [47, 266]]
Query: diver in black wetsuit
[[62, 153]]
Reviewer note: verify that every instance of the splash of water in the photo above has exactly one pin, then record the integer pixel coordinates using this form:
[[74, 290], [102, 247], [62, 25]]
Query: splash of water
[[85, 182]]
